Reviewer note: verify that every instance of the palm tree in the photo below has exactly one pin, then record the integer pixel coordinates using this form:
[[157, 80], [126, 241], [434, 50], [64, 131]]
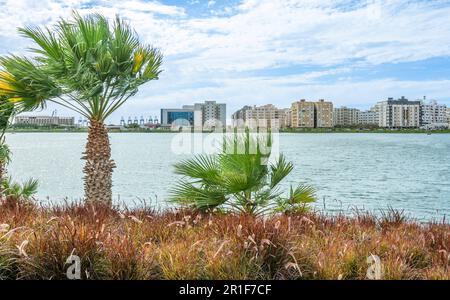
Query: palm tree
[[91, 67], [240, 180]]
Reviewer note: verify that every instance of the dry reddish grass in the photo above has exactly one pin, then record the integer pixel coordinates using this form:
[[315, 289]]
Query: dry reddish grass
[[144, 244]]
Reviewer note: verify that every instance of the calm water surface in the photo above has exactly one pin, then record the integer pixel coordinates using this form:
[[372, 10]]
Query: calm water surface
[[368, 171]]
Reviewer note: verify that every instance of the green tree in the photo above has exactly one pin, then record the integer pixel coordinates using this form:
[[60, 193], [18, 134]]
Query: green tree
[[239, 178], [90, 66]]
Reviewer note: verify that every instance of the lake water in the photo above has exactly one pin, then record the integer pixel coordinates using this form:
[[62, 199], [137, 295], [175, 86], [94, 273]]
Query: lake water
[[410, 172]]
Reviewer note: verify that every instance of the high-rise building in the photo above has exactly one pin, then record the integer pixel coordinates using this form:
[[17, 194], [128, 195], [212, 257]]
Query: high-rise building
[[239, 116], [433, 115], [210, 114], [344, 116], [305, 114], [400, 113], [44, 120], [287, 117], [324, 114], [448, 116], [302, 114], [267, 116], [368, 118]]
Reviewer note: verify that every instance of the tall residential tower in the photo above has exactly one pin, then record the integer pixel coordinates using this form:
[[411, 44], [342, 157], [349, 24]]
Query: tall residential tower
[[305, 114], [400, 113]]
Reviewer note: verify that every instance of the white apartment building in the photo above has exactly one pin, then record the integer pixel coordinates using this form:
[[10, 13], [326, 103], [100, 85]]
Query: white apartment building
[[344, 116], [434, 115], [448, 116], [44, 121], [210, 114], [400, 113], [267, 116], [368, 117]]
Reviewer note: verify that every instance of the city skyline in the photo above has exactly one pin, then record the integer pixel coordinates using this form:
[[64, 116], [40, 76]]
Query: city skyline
[[260, 52]]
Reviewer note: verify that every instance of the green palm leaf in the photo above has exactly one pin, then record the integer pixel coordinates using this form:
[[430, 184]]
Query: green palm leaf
[[203, 167], [279, 171]]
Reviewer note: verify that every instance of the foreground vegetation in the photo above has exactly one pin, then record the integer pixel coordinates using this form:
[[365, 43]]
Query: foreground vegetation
[[141, 243]]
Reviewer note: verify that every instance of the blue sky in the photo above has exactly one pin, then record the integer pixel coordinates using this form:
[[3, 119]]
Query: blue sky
[[255, 52]]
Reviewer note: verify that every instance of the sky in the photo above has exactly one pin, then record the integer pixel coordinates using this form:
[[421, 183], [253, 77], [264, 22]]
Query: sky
[[255, 52]]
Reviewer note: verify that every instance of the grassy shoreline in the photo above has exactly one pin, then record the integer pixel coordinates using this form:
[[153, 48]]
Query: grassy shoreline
[[142, 243]]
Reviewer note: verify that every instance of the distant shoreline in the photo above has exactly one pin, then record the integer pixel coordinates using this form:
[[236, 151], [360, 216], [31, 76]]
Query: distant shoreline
[[306, 130]]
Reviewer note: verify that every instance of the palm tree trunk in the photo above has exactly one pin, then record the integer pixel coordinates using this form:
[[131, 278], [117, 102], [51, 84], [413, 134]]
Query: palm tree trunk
[[99, 165]]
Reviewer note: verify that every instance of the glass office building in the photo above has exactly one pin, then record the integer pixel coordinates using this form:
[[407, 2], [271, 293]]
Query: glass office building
[[177, 116]]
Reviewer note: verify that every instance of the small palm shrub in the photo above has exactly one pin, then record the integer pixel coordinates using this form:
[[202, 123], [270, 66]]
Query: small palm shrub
[[240, 179], [14, 193], [298, 200], [14, 189]]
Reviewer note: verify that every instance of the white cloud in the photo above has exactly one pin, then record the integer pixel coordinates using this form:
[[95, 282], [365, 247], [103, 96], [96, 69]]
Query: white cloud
[[212, 57]]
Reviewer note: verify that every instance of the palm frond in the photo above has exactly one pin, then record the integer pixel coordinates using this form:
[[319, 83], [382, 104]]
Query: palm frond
[[29, 188], [19, 191], [188, 194], [203, 167], [83, 64], [5, 154], [279, 171], [303, 194], [26, 83]]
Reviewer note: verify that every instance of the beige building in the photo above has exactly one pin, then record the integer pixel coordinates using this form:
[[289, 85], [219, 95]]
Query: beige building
[[344, 116], [238, 118], [302, 114], [44, 121], [400, 113], [268, 116], [305, 114]]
